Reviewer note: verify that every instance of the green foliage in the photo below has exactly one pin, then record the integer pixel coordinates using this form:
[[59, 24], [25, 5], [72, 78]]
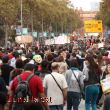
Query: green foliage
[[105, 12], [40, 13]]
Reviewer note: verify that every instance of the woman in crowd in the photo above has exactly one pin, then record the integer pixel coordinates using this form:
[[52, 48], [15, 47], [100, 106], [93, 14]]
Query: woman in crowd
[[107, 103], [107, 94], [92, 72], [107, 70], [73, 94]]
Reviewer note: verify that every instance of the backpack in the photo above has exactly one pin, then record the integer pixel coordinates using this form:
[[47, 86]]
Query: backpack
[[23, 90]]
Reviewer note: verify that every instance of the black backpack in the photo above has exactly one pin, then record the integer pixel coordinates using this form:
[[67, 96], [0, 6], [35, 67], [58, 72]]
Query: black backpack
[[22, 89]]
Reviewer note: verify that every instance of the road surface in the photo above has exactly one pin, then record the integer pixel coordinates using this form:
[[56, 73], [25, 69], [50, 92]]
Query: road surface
[[82, 106]]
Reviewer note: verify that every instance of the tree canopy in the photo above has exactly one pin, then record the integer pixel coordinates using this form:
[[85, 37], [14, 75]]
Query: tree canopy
[[40, 15], [104, 13]]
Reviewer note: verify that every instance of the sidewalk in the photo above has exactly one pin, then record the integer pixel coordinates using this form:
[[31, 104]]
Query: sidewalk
[[82, 106]]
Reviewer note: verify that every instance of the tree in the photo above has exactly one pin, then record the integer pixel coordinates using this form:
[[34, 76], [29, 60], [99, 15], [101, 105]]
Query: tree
[[104, 13], [39, 15]]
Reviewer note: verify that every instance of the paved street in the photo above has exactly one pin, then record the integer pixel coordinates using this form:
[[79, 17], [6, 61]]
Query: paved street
[[82, 106]]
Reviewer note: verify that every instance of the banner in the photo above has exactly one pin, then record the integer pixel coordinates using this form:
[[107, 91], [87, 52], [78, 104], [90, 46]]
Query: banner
[[24, 39], [24, 31], [105, 83], [18, 31], [34, 34], [93, 26]]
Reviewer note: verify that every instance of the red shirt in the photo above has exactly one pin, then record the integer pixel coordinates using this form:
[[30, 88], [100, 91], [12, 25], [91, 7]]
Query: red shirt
[[35, 84], [105, 58]]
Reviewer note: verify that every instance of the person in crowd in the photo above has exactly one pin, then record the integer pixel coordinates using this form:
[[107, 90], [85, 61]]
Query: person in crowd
[[2, 85], [91, 82], [105, 74], [44, 71], [55, 86], [35, 84], [63, 68], [68, 58], [80, 58], [73, 58], [33, 106], [12, 62], [63, 65], [107, 70], [2, 101], [18, 70], [107, 103], [50, 59], [6, 69], [73, 76]]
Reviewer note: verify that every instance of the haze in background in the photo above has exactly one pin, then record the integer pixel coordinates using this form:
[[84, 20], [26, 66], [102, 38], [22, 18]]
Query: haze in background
[[87, 5]]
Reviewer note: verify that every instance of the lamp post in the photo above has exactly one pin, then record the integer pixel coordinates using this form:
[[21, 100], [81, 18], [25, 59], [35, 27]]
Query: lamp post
[[21, 13]]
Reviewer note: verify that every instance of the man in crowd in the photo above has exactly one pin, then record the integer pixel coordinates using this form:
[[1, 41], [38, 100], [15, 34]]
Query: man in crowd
[[56, 88], [35, 84]]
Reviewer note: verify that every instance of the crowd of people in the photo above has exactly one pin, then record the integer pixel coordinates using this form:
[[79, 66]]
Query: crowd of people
[[50, 77]]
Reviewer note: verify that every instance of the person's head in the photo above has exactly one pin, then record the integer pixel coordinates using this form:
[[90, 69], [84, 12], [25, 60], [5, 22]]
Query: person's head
[[98, 59], [2, 100], [44, 64], [92, 65], [60, 59], [63, 68], [90, 61], [74, 63], [5, 59], [19, 63], [29, 67], [16, 54], [55, 66], [73, 54], [50, 57]]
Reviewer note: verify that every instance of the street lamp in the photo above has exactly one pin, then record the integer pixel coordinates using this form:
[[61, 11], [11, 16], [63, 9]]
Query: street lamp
[[21, 13]]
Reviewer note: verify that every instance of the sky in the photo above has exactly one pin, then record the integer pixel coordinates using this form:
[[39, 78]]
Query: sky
[[85, 4]]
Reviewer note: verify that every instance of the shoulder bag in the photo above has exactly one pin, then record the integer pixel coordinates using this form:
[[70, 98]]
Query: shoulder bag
[[81, 90]]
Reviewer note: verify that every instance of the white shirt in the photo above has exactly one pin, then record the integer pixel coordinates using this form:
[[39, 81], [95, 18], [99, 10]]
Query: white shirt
[[53, 90], [13, 62]]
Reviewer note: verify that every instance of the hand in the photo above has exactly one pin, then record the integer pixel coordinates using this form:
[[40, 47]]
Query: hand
[[64, 102]]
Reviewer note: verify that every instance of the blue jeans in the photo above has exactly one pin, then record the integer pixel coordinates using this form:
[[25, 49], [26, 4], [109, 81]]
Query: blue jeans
[[91, 95], [73, 100], [56, 107]]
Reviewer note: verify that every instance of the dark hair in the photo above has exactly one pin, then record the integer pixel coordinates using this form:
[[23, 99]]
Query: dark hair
[[74, 63], [29, 67], [33, 106], [68, 56], [52, 49], [5, 59], [19, 63], [93, 65], [16, 54], [50, 57], [60, 59], [73, 54], [44, 64]]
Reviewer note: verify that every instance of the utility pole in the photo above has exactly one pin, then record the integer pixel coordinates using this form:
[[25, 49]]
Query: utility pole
[[21, 14]]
